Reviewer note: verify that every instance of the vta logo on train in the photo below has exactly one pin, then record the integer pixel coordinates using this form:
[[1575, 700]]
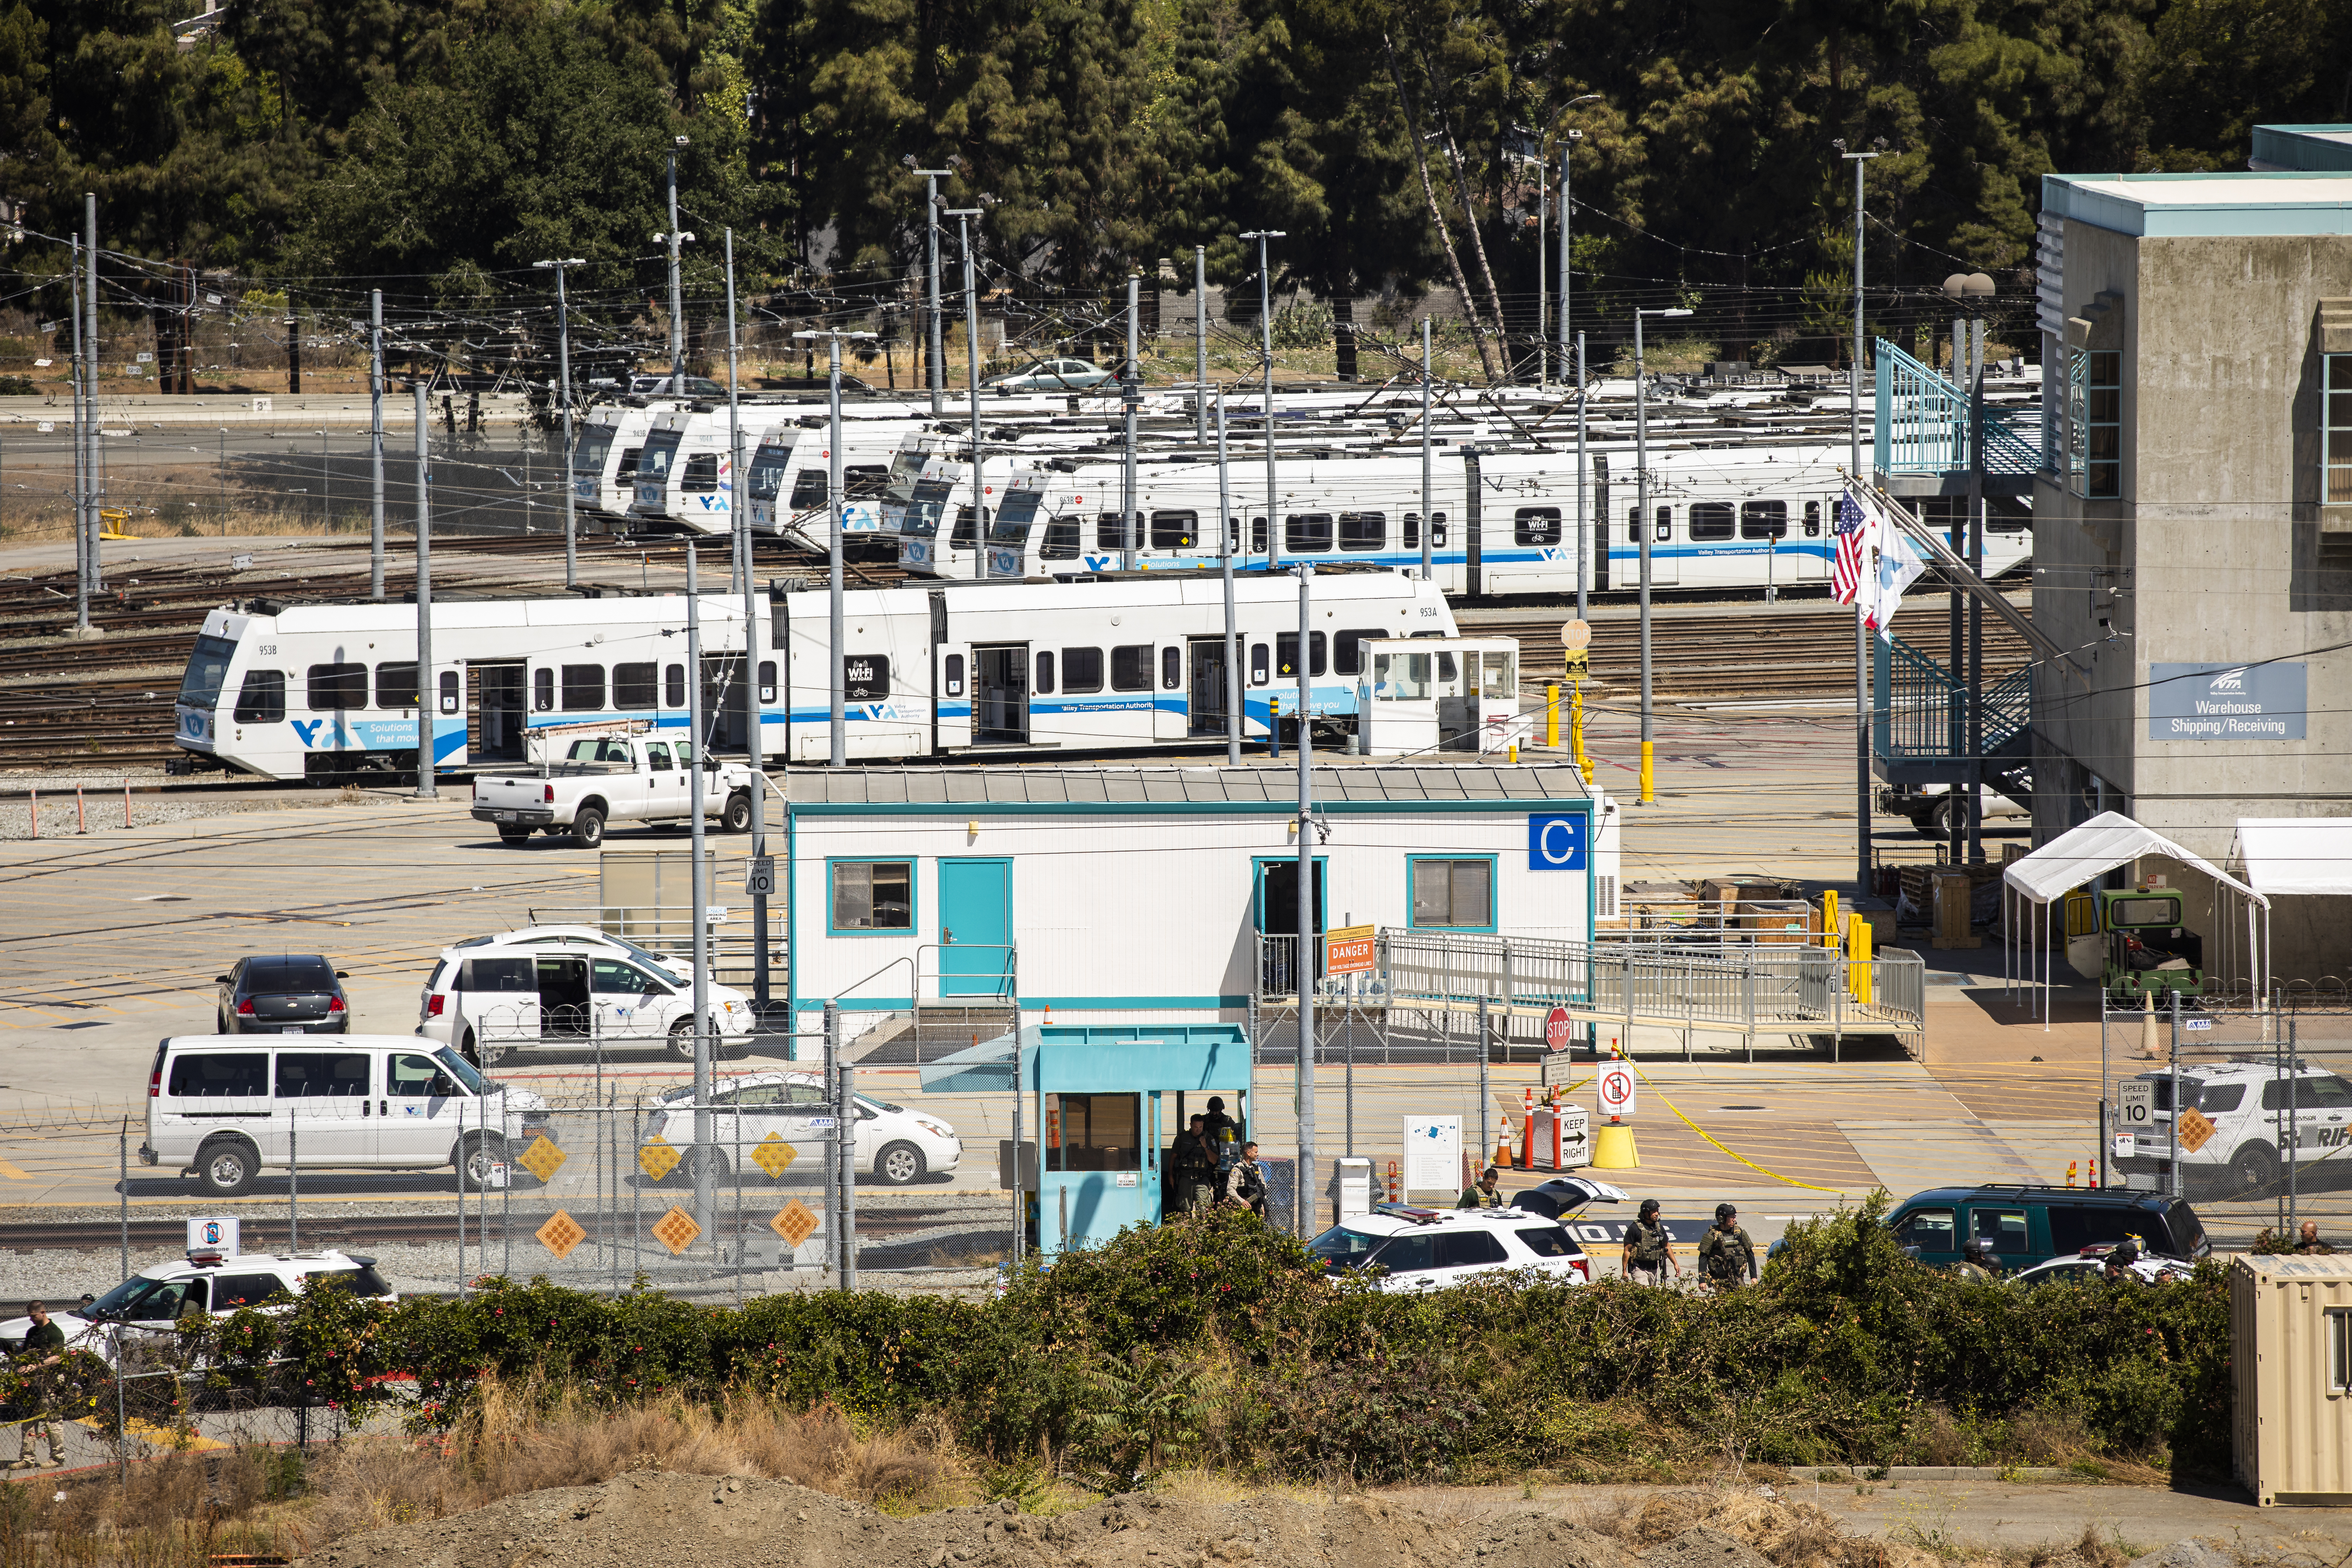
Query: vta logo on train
[[306, 730]]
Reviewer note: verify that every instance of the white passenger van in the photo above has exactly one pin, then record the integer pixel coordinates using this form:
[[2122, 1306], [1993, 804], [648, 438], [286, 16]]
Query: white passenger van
[[230, 1107]]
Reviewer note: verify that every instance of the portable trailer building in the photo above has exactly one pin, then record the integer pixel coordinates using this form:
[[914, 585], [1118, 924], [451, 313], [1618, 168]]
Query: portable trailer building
[[2290, 1368]]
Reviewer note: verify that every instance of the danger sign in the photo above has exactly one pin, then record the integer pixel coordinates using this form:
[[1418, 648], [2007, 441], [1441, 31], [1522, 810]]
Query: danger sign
[[1348, 950], [1617, 1090], [1559, 1032]]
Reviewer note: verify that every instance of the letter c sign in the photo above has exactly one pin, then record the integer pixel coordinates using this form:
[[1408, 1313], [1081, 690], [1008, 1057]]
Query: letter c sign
[[1555, 843]]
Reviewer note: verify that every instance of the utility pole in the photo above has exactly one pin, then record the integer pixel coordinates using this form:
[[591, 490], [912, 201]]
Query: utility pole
[[753, 742], [840, 723], [96, 488], [1861, 626], [1228, 527], [564, 373], [1265, 350], [698, 889], [677, 301], [1642, 528], [375, 445], [85, 464], [937, 376], [1428, 521], [425, 784], [1129, 396], [1303, 1185], [1201, 343], [737, 530], [963, 217], [1583, 524]]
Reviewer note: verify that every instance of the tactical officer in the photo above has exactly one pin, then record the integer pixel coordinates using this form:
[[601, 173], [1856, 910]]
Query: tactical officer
[[2119, 1260], [1244, 1183], [1649, 1250], [45, 1347], [1727, 1259], [1219, 1130], [1977, 1260], [1484, 1194], [1196, 1168]]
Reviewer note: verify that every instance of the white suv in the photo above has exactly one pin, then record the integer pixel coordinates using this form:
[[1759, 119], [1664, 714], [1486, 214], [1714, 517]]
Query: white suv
[[898, 1146], [569, 988], [1429, 1249], [154, 1299], [2246, 1099]]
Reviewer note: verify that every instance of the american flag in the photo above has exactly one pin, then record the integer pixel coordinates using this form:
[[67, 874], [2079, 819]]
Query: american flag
[[1845, 574]]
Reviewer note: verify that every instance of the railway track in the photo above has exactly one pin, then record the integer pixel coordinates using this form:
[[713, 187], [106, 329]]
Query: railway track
[[325, 1228]]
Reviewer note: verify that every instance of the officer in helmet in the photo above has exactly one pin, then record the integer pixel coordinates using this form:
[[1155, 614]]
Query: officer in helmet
[[1727, 1259], [1977, 1260]]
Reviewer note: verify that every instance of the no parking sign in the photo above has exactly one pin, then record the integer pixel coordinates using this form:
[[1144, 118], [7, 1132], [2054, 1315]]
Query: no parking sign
[[1616, 1082]]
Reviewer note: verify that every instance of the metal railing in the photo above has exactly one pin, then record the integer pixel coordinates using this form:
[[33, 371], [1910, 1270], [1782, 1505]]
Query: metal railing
[[1734, 921], [1920, 423], [668, 930], [1919, 711]]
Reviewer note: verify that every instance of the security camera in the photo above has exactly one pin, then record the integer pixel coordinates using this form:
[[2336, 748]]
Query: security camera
[[680, 140], [1576, 135]]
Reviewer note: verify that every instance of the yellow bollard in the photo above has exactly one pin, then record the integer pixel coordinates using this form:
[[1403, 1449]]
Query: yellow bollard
[[1649, 779], [1612, 1147], [1515, 753], [1830, 922], [1551, 715], [1857, 952]]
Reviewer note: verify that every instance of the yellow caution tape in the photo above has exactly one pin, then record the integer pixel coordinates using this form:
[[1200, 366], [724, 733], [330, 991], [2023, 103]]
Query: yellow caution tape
[[1670, 1105]]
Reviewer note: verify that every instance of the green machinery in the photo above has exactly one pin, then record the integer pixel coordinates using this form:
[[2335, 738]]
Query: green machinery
[[2133, 942]]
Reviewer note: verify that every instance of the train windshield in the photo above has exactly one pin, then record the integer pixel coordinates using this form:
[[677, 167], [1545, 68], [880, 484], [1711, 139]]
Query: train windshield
[[1013, 517], [207, 671], [899, 489], [921, 517], [769, 465], [588, 454], [661, 449]]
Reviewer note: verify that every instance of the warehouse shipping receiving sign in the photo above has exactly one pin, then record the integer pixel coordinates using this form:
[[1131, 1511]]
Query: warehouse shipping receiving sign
[[2226, 701]]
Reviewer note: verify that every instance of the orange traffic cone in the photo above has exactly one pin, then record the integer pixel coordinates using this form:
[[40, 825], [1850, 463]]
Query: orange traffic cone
[[1396, 1182], [2071, 1165], [1503, 1146], [2095, 1171]]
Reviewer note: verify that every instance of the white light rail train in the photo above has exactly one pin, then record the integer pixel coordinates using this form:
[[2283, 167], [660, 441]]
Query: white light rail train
[[328, 692]]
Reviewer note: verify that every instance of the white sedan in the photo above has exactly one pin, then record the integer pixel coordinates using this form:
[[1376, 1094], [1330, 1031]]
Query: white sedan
[[897, 1146], [1429, 1249], [1050, 376]]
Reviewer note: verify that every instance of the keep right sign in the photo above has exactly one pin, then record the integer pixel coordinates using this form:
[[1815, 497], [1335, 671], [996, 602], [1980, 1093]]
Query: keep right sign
[[1616, 1086]]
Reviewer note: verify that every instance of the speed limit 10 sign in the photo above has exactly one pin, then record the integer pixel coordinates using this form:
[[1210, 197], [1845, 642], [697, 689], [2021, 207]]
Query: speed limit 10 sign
[[2136, 1103], [1616, 1085]]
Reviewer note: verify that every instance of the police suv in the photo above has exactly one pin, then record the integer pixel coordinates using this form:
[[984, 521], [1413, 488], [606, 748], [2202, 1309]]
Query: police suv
[[1415, 1248], [2259, 1115]]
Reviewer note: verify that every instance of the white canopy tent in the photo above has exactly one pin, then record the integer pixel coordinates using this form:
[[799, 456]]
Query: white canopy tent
[[2309, 857], [2083, 854]]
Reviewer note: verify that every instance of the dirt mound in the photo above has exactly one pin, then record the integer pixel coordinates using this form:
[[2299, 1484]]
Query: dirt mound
[[1789, 1535]]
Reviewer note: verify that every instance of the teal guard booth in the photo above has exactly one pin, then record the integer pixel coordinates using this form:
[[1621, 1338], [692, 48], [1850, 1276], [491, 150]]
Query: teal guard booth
[[1101, 1104]]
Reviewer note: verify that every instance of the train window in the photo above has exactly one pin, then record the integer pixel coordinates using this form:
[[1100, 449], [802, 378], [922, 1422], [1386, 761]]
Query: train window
[[701, 472], [1108, 532], [1063, 537], [1813, 520], [628, 469], [1363, 529], [1412, 530], [1174, 530], [1130, 667], [634, 685], [338, 686], [262, 698], [1997, 521], [1258, 676], [584, 687], [1257, 536], [767, 680], [1285, 655], [395, 684], [1044, 685], [673, 686], [812, 487], [449, 691], [1535, 525], [1233, 535], [1081, 669], [865, 481], [1348, 652], [960, 537], [865, 677], [1632, 525], [1307, 533], [873, 895], [542, 690], [1665, 520], [1172, 667], [1709, 520], [1764, 520]]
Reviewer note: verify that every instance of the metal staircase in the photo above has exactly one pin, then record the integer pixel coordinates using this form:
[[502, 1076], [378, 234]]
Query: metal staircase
[[1920, 724]]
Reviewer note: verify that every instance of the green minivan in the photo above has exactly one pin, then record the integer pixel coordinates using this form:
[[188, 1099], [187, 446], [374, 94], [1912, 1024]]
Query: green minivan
[[2030, 1225]]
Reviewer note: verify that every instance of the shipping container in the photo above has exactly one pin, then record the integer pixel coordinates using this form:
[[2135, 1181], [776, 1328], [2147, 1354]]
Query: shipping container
[[2290, 1368]]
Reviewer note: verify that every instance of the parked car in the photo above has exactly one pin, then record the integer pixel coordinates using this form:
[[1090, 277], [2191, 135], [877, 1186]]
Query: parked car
[[1930, 806], [898, 1146], [646, 386], [2247, 1102], [564, 988], [162, 1294], [1412, 1248], [2031, 1225], [2090, 1265], [289, 993], [226, 1110], [622, 776], [1050, 376]]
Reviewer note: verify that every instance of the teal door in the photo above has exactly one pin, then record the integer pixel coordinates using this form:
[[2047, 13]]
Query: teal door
[[975, 927]]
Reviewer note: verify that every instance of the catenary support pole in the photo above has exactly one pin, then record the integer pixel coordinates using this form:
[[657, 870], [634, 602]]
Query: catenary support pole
[[699, 892], [89, 369], [1428, 519], [1128, 399], [739, 569], [1201, 344], [1228, 526], [1305, 970], [677, 300], [375, 445], [971, 392], [1587, 539], [1648, 777], [846, 1144], [832, 1048], [426, 784], [85, 470], [564, 376]]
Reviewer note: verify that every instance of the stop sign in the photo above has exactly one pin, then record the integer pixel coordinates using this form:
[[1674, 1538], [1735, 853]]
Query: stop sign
[[1559, 1032]]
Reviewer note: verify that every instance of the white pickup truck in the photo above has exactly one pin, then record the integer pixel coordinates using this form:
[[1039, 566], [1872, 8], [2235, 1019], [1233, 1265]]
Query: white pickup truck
[[612, 776]]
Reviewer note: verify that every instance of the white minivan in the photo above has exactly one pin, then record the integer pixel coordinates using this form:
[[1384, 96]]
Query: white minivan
[[570, 988], [229, 1107]]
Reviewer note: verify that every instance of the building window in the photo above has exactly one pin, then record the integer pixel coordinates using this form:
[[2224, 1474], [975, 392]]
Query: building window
[[873, 895], [2336, 434], [2339, 1350], [2094, 403], [1453, 894]]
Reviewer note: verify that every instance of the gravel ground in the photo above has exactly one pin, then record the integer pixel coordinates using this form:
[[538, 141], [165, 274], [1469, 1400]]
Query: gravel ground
[[101, 811]]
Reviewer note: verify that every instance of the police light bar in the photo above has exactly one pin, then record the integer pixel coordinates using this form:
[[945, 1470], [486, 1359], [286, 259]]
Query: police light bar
[[1409, 1211]]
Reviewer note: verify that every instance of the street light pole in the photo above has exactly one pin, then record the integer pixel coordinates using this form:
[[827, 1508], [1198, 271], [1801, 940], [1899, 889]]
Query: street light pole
[[1861, 626], [677, 301], [1201, 343], [1428, 522], [963, 217], [1266, 347], [1584, 522], [1568, 224], [425, 695], [1228, 527], [1303, 972], [564, 372], [1642, 530], [839, 724], [375, 445], [937, 376], [1129, 398]]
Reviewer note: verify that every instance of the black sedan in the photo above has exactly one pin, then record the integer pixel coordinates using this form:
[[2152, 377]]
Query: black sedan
[[286, 994]]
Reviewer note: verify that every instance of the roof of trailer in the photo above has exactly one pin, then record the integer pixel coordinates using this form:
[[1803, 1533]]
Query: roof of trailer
[[1274, 787]]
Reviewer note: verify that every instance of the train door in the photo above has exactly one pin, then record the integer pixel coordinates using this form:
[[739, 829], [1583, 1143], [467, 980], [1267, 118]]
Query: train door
[[1809, 559], [495, 711], [723, 701], [1665, 567], [950, 694], [1170, 712], [1211, 689], [1000, 695]]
